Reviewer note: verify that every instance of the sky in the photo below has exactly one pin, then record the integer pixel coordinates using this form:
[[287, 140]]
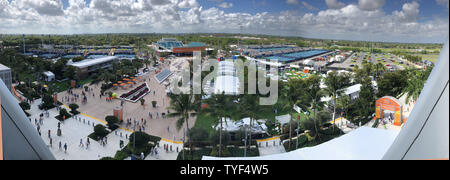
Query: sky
[[414, 21]]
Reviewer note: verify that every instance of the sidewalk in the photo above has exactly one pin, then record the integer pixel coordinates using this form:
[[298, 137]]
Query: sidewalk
[[72, 131], [270, 146], [166, 155]]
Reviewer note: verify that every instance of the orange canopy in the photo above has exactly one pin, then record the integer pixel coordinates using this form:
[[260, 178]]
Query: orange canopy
[[123, 84], [130, 83], [126, 79], [115, 84]]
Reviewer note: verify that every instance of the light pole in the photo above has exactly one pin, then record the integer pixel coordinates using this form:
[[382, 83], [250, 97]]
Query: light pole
[[245, 141], [134, 135], [184, 138]]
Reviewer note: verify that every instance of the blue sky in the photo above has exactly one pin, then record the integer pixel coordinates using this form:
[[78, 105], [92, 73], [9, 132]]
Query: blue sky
[[428, 8], [372, 20]]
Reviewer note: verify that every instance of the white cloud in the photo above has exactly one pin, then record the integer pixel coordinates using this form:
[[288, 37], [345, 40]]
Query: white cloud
[[443, 2], [309, 6], [334, 4], [409, 13], [226, 5], [294, 2], [370, 5], [175, 16], [188, 4]]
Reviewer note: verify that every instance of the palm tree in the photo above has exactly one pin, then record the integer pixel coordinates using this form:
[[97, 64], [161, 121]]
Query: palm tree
[[249, 105], [379, 67], [146, 62], [292, 94], [183, 107], [316, 94], [335, 87], [416, 83], [222, 107]]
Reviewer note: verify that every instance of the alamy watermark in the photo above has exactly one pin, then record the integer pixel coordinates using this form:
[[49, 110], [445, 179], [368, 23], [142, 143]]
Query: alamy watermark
[[231, 73]]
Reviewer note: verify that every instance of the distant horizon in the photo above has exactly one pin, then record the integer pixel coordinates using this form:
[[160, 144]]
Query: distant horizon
[[199, 33], [408, 21]]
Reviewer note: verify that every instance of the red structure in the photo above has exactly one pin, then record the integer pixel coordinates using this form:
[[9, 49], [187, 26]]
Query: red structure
[[393, 105], [118, 112]]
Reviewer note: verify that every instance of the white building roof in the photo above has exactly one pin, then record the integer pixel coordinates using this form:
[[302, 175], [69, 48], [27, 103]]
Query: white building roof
[[227, 84], [353, 89], [49, 74], [3, 67], [92, 62], [361, 144]]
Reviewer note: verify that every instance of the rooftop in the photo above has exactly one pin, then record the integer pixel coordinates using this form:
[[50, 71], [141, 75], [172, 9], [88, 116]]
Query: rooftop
[[3, 67], [92, 62]]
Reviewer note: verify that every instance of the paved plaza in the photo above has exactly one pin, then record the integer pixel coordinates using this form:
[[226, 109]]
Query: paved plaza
[[270, 146], [174, 147], [98, 108], [72, 132]]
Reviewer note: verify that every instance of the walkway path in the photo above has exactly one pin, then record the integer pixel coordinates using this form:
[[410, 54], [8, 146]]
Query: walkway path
[[72, 132], [171, 154], [270, 146]]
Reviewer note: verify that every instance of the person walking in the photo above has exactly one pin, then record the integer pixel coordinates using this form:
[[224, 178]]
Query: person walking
[[60, 145], [65, 147], [51, 142]]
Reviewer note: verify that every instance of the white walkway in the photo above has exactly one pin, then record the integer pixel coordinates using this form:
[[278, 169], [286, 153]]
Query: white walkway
[[72, 132]]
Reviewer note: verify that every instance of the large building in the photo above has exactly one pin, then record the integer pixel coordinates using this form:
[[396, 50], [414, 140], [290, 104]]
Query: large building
[[89, 66], [168, 46], [5, 75]]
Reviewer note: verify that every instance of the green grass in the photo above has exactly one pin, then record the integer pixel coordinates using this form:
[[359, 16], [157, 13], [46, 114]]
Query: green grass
[[205, 122]]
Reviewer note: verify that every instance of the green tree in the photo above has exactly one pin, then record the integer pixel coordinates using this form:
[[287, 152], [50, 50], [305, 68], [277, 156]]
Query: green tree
[[222, 107], [336, 84], [415, 83], [183, 107]]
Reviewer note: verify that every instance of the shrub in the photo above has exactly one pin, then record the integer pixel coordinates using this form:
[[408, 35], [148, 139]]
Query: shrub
[[142, 139], [112, 122], [122, 154], [63, 113], [25, 106], [47, 102], [107, 159], [99, 132], [73, 109], [225, 152]]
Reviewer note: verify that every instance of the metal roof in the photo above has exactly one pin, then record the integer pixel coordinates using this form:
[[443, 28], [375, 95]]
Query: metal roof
[[92, 62]]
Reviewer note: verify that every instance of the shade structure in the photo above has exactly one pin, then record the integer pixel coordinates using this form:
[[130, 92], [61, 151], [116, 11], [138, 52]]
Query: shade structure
[[134, 80], [115, 84], [130, 82], [123, 84], [120, 82], [126, 79], [140, 77]]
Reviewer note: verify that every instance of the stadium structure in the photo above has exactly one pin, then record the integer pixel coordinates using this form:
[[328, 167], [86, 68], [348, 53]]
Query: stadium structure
[[171, 46]]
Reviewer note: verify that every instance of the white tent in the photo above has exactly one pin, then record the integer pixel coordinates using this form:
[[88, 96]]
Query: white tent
[[361, 144], [285, 119], [308, 62]]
